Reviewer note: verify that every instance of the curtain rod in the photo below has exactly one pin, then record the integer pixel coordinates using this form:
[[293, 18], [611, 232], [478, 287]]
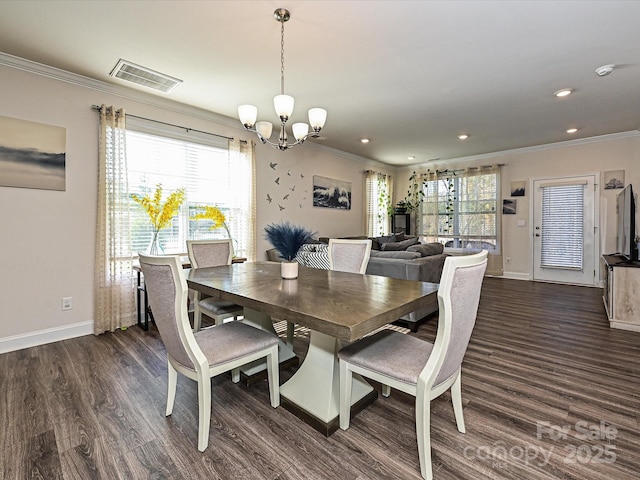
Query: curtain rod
[[187, 129]]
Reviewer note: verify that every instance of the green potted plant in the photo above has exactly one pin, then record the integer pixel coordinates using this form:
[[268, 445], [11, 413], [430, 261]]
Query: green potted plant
[[415, 193], [287, 239]]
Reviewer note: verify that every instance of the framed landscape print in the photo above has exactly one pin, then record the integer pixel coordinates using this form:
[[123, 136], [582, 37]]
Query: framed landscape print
[[32, 155], [614, 179], [509, 207], [331, 193], [517, 189]]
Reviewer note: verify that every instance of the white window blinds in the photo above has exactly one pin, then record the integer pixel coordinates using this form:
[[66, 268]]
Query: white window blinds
[[562, 236], [209, 178]]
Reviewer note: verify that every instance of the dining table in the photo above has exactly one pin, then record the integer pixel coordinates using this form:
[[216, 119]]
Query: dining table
[[337, 308]]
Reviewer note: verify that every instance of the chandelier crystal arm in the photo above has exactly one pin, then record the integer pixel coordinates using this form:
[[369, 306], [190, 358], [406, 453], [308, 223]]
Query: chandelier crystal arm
[[283, 105]]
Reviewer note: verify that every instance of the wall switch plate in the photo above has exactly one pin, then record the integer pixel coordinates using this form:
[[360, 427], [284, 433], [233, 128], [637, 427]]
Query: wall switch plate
[[67, 303]]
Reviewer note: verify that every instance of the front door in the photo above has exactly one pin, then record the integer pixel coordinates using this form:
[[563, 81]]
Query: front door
[[564, 237]]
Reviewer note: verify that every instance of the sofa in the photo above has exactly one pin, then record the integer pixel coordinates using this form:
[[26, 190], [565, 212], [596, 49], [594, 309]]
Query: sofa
[[391, 256]]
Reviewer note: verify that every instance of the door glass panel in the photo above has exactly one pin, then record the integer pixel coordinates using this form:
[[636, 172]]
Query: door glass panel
[[562, 239]]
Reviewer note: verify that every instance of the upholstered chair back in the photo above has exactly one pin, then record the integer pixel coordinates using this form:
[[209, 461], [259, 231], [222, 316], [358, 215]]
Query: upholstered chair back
[[349, 255], [167, 289], [209, 253], [458, 299]]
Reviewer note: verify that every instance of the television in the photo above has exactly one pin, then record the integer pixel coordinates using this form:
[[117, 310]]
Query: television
[[626, 223]]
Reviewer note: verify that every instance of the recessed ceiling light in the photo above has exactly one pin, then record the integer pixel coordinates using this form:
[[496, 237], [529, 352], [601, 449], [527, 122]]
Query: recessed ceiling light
[[411, 157], [564, 92], [463, 136], [572, 130], [365, 140]]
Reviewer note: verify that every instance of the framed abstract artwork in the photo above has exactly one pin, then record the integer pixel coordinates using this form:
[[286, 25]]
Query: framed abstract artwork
[[32, 155]]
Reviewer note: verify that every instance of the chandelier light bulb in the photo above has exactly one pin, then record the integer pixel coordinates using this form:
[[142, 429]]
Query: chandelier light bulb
[[317, 118], [300, 130], [264, 129], [248, 115], [284, 106]]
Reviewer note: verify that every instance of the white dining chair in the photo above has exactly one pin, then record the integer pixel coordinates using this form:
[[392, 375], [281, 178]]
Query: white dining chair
[[207, 353], [211, 253], [349, 255], [419, 368]]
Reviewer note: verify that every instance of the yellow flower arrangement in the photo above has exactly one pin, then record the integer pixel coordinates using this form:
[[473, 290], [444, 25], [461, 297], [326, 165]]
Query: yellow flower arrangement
[[160, 214], [214, 215]]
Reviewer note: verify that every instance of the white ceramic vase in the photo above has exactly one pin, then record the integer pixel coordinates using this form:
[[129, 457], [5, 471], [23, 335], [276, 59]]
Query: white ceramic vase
[[289, 270]]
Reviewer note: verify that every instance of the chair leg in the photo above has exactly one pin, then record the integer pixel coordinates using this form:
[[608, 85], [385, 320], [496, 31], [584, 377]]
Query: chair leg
[[386, 390], [197, 314], [456, 399], [172, 381], [423, 432], [273, 372], [346, 384], [204, 411]]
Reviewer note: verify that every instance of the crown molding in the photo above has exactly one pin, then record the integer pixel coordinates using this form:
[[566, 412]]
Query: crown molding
[[524, 150]]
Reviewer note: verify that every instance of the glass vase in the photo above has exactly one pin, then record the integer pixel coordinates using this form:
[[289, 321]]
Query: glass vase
[[154, 247]]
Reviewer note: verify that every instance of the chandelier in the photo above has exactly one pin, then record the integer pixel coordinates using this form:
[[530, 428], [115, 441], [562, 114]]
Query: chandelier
[[284, 108]]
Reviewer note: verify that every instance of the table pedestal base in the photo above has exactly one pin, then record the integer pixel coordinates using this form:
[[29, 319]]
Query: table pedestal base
[[313, 392], [256, 371]]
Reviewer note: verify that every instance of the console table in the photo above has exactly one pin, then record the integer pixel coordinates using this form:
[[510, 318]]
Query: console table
[[621, 299]]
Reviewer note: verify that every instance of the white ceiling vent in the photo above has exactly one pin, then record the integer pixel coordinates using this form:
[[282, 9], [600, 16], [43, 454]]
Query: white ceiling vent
[[144, 76]]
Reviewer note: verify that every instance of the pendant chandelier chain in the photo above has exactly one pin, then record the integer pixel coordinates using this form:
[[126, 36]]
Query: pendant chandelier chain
[[282, 56]]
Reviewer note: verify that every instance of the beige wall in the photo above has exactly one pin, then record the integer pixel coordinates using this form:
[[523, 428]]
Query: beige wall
[[596, 155], [48, 237]]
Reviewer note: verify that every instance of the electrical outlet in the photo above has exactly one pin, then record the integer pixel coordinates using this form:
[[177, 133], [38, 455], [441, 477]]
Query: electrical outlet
[[508, 259], [67, 303]]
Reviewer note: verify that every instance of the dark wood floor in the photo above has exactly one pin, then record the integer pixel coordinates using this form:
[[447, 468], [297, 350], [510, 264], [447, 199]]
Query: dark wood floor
[[542, 357]]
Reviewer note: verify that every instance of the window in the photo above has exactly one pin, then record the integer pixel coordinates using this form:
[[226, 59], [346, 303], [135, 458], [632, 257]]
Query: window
[[377, 203], [460, 209], [204, 168]]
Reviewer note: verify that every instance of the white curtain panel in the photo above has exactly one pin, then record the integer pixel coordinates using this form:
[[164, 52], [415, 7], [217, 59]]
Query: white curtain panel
[[242, 157], [114, 287]]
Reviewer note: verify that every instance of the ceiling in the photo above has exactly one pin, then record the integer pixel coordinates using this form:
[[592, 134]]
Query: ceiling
[[409, 75]]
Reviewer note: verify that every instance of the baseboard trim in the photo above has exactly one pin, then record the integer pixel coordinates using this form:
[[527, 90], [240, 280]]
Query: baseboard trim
[[41, 337], [516, 276], [631, 327]]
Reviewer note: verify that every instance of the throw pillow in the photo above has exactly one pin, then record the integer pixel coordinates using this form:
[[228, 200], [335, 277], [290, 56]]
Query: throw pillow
[[386, 239], [396, 246], [376, 242], [427, 249]]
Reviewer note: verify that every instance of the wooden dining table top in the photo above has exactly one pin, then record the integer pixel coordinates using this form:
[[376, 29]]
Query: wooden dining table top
[[346, 306]]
